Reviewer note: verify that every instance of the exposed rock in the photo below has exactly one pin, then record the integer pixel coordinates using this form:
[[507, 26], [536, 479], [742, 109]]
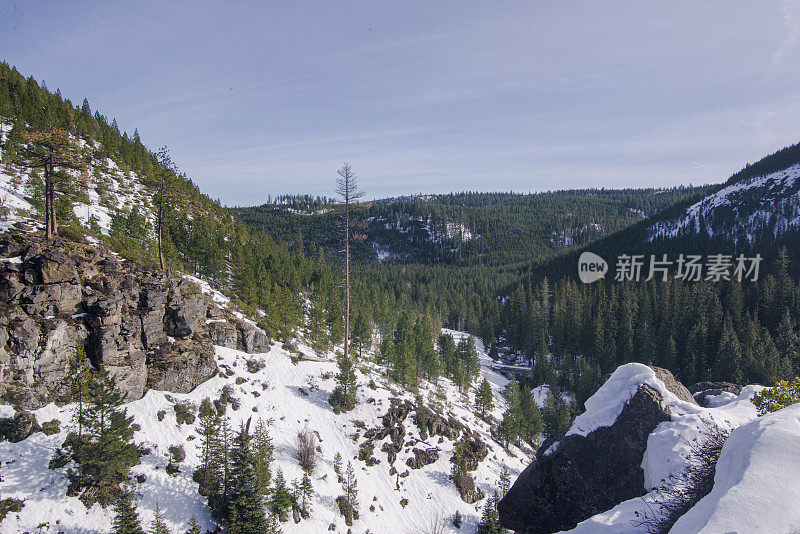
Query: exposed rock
[[474, 451], [224, 334], [585, 475], [254, 339], [436, 424], [19, 427], [422, 458], [63, 295], [466, 488], [179, 368], [672, 384], [703, 390]]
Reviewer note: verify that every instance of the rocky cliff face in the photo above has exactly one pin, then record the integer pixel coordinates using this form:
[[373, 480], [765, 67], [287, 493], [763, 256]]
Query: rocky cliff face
[[150, 329]]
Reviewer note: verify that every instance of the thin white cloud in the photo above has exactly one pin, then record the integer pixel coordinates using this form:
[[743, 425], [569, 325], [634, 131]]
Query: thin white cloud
[[790, 10]]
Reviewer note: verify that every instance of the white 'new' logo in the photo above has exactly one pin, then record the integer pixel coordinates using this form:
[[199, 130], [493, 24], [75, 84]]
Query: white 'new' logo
[[591, 267]]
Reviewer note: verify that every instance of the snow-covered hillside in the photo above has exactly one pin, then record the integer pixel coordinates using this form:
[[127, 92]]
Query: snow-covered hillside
[[290, 396], [763, 203], [108, 190]]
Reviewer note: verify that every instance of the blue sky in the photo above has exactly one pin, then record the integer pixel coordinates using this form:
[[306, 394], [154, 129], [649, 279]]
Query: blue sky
[[258, 98]]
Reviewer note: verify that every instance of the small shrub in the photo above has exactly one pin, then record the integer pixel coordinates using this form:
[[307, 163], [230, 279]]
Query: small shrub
[[457, 520], [51, 427], [306, 450], [10, 505], [784, 394], [254, 366], [184, 412], [678, 493], [365, 451]]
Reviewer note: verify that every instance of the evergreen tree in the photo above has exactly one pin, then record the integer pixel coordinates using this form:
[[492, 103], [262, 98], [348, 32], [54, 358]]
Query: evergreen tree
[[556, 414], [511, 426], [529, 417], [281, 500], [337, 465], [484, 400], [126, 519], [262, 456], [490, 521], [245, 507], [158, 525], [727, 366], [505, 481], [54, 151], [306, 492], [106, 452], [210, 471], [343, 397], [194, 526], [350, 487]]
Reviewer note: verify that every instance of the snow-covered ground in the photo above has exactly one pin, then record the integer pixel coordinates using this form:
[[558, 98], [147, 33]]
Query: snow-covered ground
[[274, 394]]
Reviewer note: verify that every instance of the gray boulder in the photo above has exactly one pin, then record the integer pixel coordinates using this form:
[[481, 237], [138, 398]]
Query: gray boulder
[[586, 475]]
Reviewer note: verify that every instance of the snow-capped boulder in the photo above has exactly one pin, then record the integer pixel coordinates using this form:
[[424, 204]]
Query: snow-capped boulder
[[597, 464], [755, 486]]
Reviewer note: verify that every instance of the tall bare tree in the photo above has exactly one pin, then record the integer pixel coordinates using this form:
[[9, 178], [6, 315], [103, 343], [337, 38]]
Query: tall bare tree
[[55, 152], [165, 171], [347, 188]]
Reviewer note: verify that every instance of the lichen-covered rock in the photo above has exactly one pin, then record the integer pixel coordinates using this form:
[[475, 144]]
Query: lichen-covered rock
[[182, 366], [57, 296], [422, 458], [19, 427]]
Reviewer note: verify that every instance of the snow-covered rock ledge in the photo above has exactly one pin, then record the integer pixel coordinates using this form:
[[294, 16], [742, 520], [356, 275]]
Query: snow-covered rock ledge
[[635, 432]]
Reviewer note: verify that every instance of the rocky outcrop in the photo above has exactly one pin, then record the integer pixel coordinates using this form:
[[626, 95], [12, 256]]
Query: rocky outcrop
[[149, 329], [702, 390], [582, 476], [422, 457]]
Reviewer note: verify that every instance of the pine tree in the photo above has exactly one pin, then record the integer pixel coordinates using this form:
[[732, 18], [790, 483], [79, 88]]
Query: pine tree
[[529, 417], [484, 400], [305, 494], [457, 520], [343, 397], [126, 519], [727, 366], [210, 470], [556, 414], [281, 500], [490, 522], [158, 525], [106, 452], [505, 481], [55, 152], [350, 487], [262, 456], [246, 512], [511, 426], [347, 188], [194, 526]]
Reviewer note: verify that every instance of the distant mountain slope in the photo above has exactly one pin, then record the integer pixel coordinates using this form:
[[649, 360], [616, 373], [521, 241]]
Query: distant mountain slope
[[468, 229], [756, 211]]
